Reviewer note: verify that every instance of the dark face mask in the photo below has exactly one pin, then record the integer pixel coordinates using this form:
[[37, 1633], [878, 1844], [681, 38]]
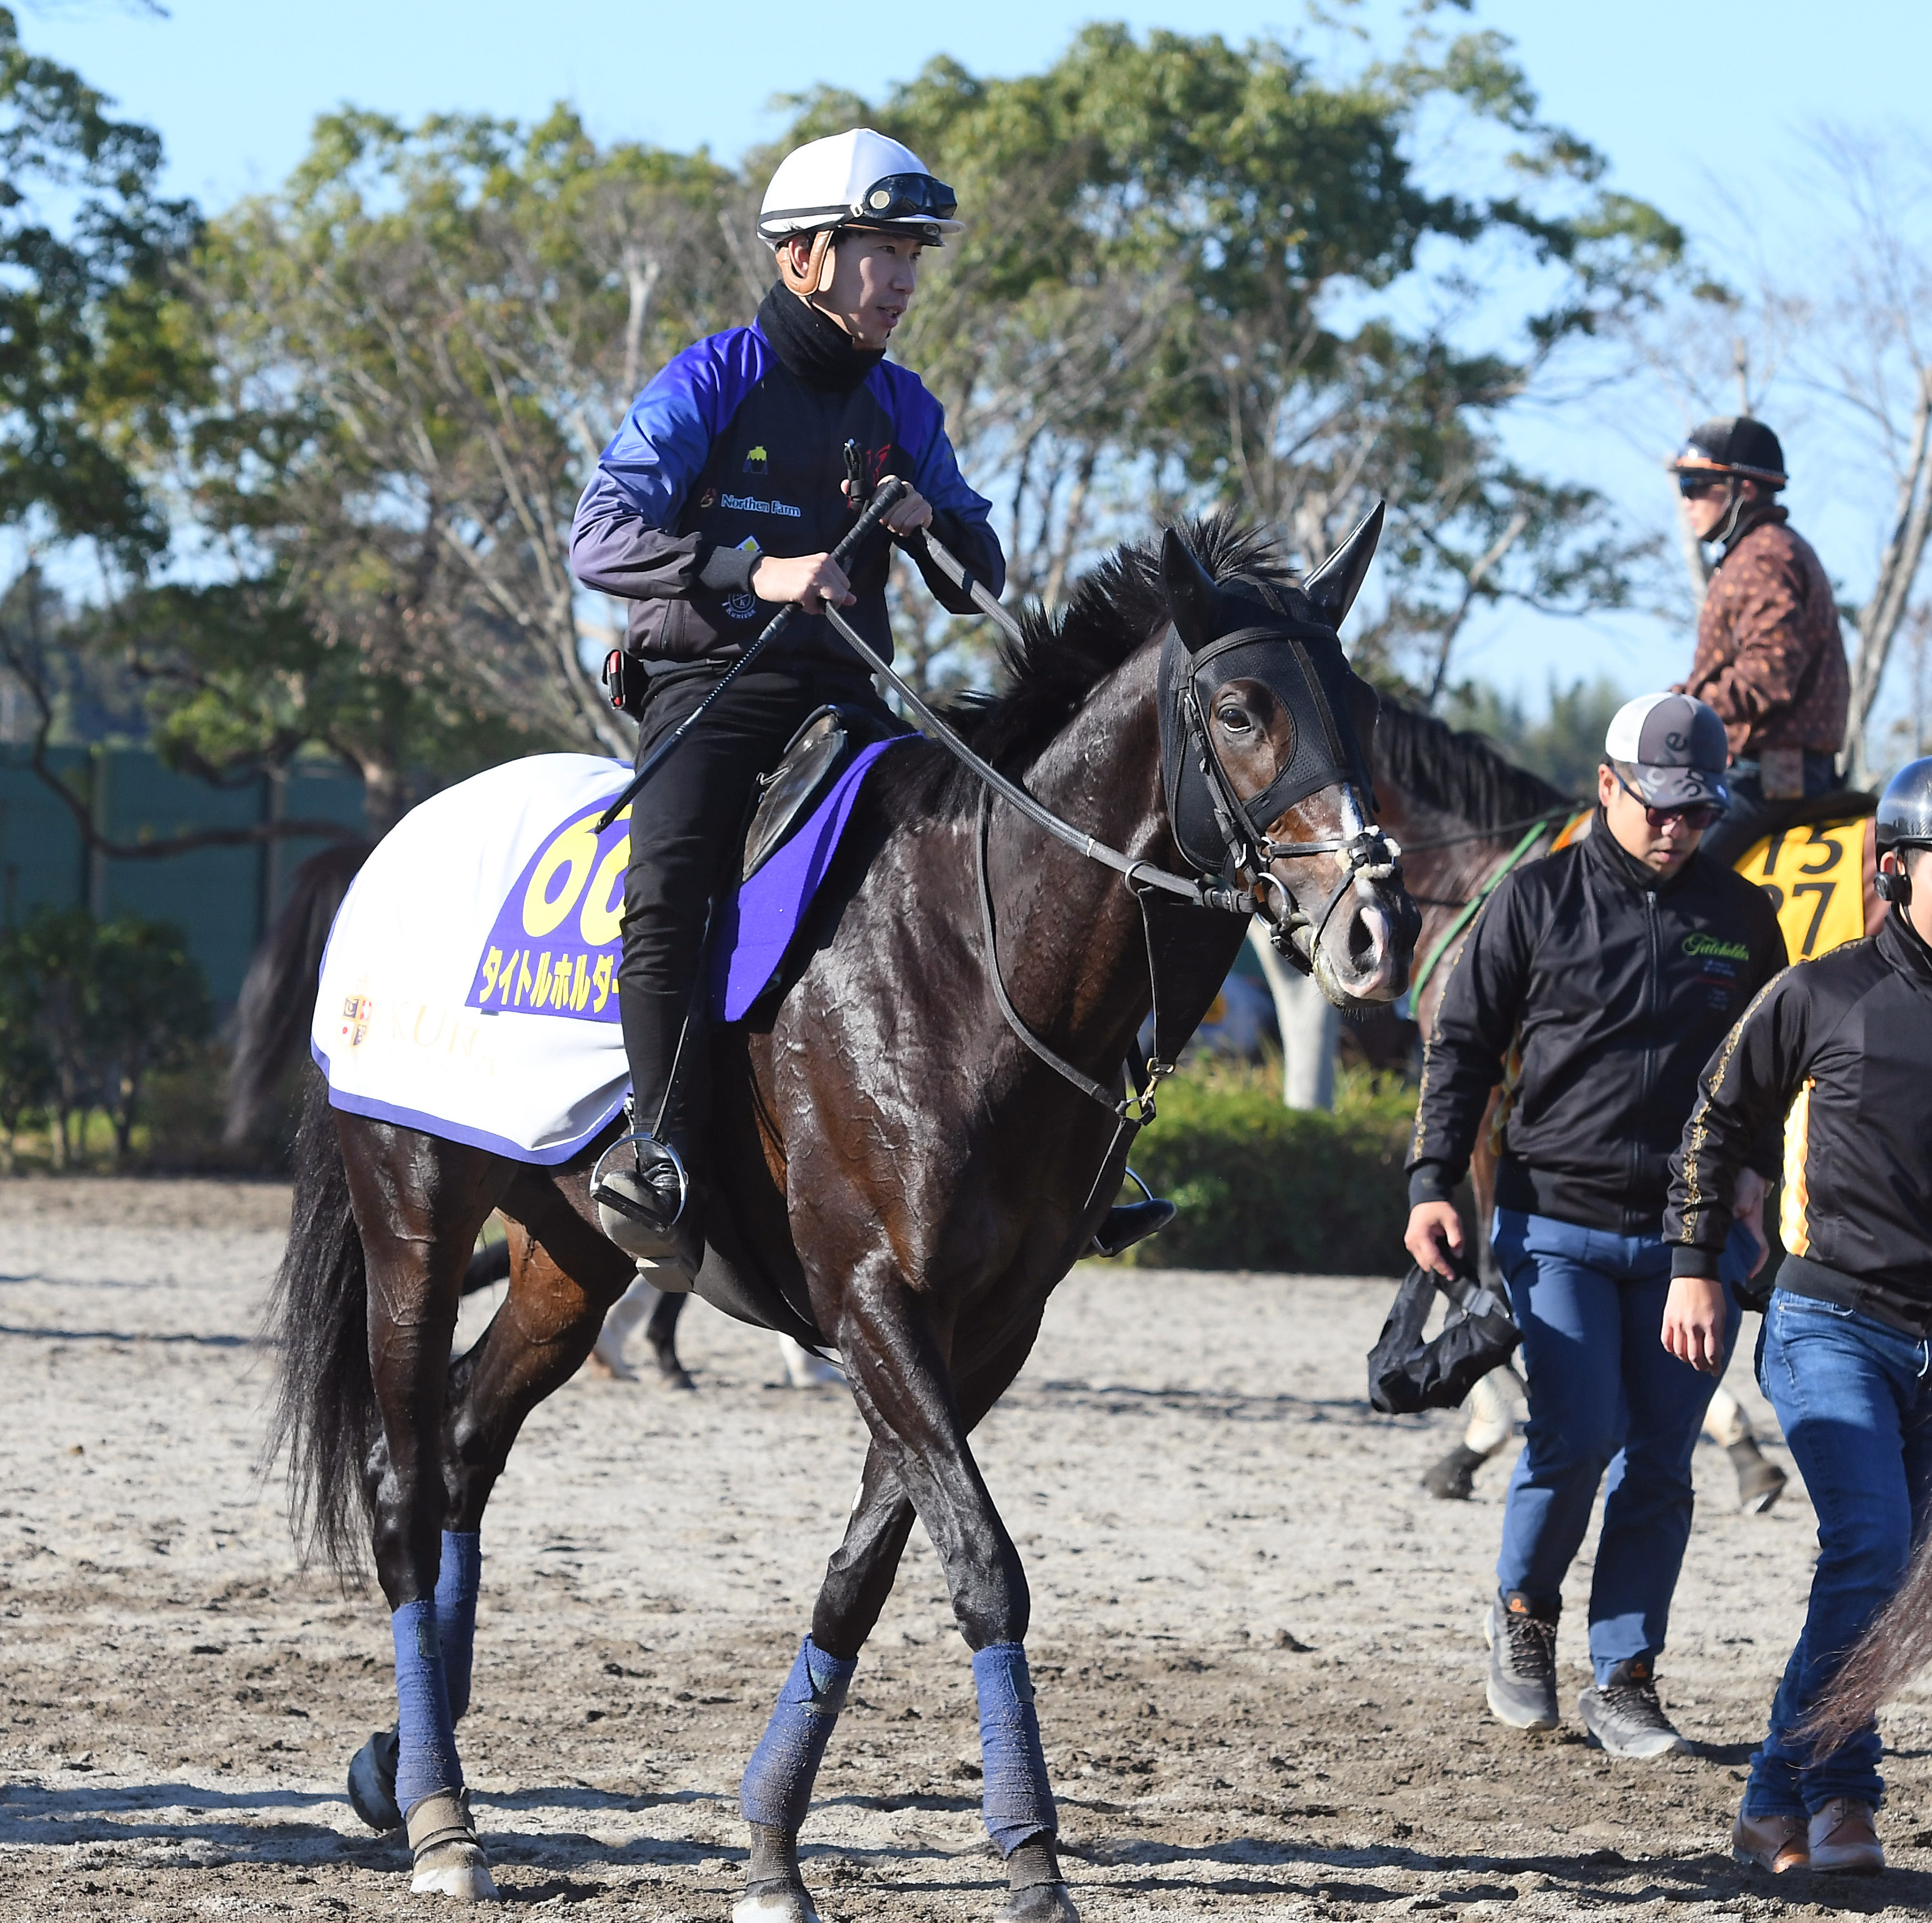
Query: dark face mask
[[1315, 694]]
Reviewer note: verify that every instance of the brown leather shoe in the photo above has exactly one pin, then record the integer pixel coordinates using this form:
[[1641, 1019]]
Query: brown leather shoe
[[1776, 1843], [1843, 1840]]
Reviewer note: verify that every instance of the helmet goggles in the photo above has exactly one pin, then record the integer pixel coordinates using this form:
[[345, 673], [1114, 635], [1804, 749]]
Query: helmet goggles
[[905, 197]]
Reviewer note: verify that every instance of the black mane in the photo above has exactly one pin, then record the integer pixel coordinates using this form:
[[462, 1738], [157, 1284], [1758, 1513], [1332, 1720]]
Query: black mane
[[1062, 656], [1457, 773]]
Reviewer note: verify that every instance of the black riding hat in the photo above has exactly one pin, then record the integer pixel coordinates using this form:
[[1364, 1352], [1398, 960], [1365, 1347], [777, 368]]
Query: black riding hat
[[1905, 809], [1732, 444]]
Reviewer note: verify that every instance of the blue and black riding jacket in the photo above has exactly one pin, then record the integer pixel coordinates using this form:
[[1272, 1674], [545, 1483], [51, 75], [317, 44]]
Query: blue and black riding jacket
[[736, 450]]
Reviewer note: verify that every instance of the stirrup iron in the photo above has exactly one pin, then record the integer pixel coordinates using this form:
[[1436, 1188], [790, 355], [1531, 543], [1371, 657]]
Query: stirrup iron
[[634, 1223]]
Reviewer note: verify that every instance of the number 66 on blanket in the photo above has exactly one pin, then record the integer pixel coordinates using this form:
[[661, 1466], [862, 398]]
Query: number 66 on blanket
[[554, 945]]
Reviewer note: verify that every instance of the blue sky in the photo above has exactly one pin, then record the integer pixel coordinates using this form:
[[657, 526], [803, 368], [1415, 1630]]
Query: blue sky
[[1692, 105]]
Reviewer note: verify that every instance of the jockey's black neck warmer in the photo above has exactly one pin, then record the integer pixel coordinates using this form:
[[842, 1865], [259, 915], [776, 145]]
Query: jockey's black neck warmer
[[814, 348]]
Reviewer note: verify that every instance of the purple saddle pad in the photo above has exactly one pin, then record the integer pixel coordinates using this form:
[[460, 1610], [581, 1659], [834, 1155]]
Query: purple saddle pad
[[759, 921]]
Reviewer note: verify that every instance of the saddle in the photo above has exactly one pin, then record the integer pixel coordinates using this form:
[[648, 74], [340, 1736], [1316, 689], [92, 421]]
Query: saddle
[[821, 751]]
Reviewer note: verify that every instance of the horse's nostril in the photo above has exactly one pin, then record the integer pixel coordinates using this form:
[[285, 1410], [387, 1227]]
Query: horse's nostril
[[1366, 938]]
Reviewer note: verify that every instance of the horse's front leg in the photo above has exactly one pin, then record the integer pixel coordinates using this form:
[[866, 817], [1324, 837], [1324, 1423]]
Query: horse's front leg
[[1018, 1806], [418, 1205]]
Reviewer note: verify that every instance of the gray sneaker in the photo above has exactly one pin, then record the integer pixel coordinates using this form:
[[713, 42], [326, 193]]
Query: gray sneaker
[[1522, 1663], [1625, 1717]]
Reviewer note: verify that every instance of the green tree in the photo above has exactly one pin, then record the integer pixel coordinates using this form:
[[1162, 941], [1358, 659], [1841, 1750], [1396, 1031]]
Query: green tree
[[418, 347], [93, 346], [1564, 747], [26, 1068], [150, 1010], [48, 960]]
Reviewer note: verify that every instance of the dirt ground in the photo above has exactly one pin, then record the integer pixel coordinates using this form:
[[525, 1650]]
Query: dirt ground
[[1255, 1638]]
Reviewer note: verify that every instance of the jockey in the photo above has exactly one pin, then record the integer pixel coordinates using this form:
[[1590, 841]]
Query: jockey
[[1615, 966], [718, 500], [1770, 658], [1848, 1038]]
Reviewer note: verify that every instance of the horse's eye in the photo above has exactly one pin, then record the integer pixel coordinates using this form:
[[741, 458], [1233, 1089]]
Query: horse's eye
[[1233, 720]]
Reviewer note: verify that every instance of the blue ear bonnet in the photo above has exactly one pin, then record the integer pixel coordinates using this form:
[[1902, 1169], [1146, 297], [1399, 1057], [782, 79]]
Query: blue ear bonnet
[[1303, 666]]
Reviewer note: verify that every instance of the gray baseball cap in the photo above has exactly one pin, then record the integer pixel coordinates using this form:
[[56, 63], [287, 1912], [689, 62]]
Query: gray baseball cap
[[1671, 749]]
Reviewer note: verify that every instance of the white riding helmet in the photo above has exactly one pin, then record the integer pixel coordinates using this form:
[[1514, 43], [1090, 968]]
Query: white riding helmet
[[858, 179]]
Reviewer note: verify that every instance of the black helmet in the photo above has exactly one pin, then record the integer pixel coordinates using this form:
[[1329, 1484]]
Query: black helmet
[[1734, 445], [1905, 809]]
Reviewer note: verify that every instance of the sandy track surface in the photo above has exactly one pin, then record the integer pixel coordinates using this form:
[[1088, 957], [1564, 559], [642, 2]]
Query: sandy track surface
[[1255, 1638]]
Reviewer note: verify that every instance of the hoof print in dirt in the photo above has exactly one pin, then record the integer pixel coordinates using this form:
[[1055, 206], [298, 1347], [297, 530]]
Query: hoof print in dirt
[[372, 1782], [774, 1903]]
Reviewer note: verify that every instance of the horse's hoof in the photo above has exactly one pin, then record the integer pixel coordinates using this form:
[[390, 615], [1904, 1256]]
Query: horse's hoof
[[458, 1869], [1040, 1903], [774, 1903], [1037, 1890], [449, 1860], [372, 1782], [1452, 1479]]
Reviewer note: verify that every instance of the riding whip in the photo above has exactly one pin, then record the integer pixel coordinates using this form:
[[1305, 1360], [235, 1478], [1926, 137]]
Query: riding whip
[[886, 498]]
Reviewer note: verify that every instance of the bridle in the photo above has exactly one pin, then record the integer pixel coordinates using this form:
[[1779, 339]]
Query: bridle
[[1216, 885], [1367, 852]]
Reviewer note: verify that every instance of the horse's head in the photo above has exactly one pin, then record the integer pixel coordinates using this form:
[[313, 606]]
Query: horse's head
[[1265, 729]]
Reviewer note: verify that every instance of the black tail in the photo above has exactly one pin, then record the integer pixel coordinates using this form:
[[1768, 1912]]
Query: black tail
[[278, 1004], [325, 1412]]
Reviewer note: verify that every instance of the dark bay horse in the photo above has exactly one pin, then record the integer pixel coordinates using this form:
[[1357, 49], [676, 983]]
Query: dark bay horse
[[888, 1138]]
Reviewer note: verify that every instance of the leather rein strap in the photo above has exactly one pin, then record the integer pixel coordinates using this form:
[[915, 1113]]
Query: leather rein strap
[[1471, 907]]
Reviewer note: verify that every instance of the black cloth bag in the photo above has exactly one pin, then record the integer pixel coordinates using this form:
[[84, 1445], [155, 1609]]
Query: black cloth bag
[[1407, 1374]]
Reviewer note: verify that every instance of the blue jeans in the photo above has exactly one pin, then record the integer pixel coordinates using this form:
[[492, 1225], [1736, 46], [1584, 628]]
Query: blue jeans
[[1604, 1393], [1855, 1401]]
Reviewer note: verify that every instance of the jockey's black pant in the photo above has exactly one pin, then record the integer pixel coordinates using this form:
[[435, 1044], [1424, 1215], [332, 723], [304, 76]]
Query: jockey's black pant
[[687, 829]]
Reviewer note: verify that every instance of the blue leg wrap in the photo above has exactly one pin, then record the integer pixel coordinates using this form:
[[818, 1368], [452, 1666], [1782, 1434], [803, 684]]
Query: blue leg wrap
[[1018, 1802], [458, 1580], [426, 1757], [777, 1788]]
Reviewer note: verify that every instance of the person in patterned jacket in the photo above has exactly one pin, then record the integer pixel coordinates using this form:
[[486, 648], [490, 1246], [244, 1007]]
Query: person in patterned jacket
[[1770, 658]]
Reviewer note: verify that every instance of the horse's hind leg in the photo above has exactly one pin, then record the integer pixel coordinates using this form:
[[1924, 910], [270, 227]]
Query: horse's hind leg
[[536, 1342], [776, 1792], [419, 1204]]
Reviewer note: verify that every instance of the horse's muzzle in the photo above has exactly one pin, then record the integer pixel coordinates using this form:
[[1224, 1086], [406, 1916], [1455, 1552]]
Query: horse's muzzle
[[1364, 953]]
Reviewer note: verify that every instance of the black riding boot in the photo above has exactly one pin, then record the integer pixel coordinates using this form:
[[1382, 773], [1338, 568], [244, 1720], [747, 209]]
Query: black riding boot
[[646, 1187]]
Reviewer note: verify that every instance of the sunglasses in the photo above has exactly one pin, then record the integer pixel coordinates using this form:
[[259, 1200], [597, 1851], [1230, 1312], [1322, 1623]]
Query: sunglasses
[[1699, 815], [908, 197]]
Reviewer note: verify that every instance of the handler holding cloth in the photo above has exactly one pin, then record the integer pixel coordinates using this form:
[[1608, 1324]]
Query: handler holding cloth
[[1844, 1042], [1615, 966]]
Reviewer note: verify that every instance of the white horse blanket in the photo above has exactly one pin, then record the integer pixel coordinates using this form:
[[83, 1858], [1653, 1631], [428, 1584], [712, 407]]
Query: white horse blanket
[[469, 987]]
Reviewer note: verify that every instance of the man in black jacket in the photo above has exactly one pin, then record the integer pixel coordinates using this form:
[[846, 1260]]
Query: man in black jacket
[[1844, 1042], [1610, 970]]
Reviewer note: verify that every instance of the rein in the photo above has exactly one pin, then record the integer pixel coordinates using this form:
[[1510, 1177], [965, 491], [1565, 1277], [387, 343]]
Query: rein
[[1367, 851], [1470, 908]]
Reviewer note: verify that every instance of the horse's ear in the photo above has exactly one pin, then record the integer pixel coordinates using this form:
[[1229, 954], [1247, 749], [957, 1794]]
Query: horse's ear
[[1190, 593], [1334, 585]]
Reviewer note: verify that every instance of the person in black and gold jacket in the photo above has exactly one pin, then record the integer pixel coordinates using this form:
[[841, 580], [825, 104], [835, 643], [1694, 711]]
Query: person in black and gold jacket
[[1845, 1043]]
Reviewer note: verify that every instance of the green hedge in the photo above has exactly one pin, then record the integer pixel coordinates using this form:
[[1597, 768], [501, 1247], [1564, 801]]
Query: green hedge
[[1261, 1187]]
